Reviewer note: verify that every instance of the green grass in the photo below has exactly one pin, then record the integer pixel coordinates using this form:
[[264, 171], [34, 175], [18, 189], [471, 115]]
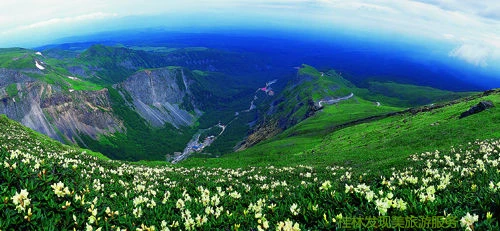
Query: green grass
[[333, 115], [387, 142], [59, 74], [328, 137], [374, 145], [310, 132], [425, 164], [44, 184], [297, 100], [406, 95], [309, 70], [55, 73], [17, 58], [11, 90], [65, 82], [83, 85]]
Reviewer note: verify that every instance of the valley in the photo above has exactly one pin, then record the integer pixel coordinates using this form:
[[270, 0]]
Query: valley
[[270, 184], [195, 145], [199, 138], [259, 115], [171, 95]]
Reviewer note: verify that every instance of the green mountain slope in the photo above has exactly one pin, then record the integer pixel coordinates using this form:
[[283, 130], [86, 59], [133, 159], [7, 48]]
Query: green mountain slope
[[406, 95], [296, 102], [114, 64], [49, 70], [311, 91], [324, 154], [45, 184], [96, 89], [53, 94], [376, 142]]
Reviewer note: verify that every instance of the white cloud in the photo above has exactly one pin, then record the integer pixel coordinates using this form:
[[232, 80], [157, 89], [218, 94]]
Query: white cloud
[[472, 53], [448, 36], [66, 20], [470, 26], [483, 8], [454, 22]]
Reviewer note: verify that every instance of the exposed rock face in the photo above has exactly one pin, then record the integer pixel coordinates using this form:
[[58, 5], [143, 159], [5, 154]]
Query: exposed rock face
[[481, 106], [56, 113], [77, 70], [282, 119], [86, 112], [161, 96], [262, 132], [8, 76]]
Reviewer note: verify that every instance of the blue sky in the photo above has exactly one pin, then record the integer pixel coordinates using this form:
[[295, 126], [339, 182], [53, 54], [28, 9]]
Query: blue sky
[[470, 29]]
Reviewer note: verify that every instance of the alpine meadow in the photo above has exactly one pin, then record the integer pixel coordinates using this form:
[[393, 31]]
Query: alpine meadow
[[249, 115]]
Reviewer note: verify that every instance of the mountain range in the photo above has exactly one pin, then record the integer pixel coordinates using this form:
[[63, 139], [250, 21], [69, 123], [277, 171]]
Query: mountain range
[[146, 136], [146, 102]]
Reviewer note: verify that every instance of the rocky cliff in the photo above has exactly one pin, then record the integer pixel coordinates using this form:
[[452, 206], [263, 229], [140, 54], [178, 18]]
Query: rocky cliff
[[53, 111], [58, 99], [161, 96]]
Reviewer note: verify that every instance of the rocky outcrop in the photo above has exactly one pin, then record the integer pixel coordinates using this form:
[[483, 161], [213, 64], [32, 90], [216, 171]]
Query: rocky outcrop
[[60, 114], [262, 132], [8, 77], [82, 112], [161, 96], [481, 106]]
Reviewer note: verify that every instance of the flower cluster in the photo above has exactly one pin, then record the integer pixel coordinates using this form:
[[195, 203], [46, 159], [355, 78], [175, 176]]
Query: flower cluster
[[21, 200], [287, 226], [468, 221], [113, 195], [60, 190]]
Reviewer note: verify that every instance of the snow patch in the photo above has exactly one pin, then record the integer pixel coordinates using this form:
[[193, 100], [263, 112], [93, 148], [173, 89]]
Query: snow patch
[[73, 78], [39, 66]]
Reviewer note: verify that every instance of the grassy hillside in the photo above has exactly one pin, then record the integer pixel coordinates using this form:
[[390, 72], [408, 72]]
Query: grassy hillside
[[24, 61], [351, 165], [299, 99], [45, 185], [406, 95], [377, 143], [290, 112], [109, 65], [17, 58], [310, 132], [332, 115]]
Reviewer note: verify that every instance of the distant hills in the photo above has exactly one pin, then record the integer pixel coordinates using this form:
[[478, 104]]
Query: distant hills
[[145, 102], [259, 139]]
